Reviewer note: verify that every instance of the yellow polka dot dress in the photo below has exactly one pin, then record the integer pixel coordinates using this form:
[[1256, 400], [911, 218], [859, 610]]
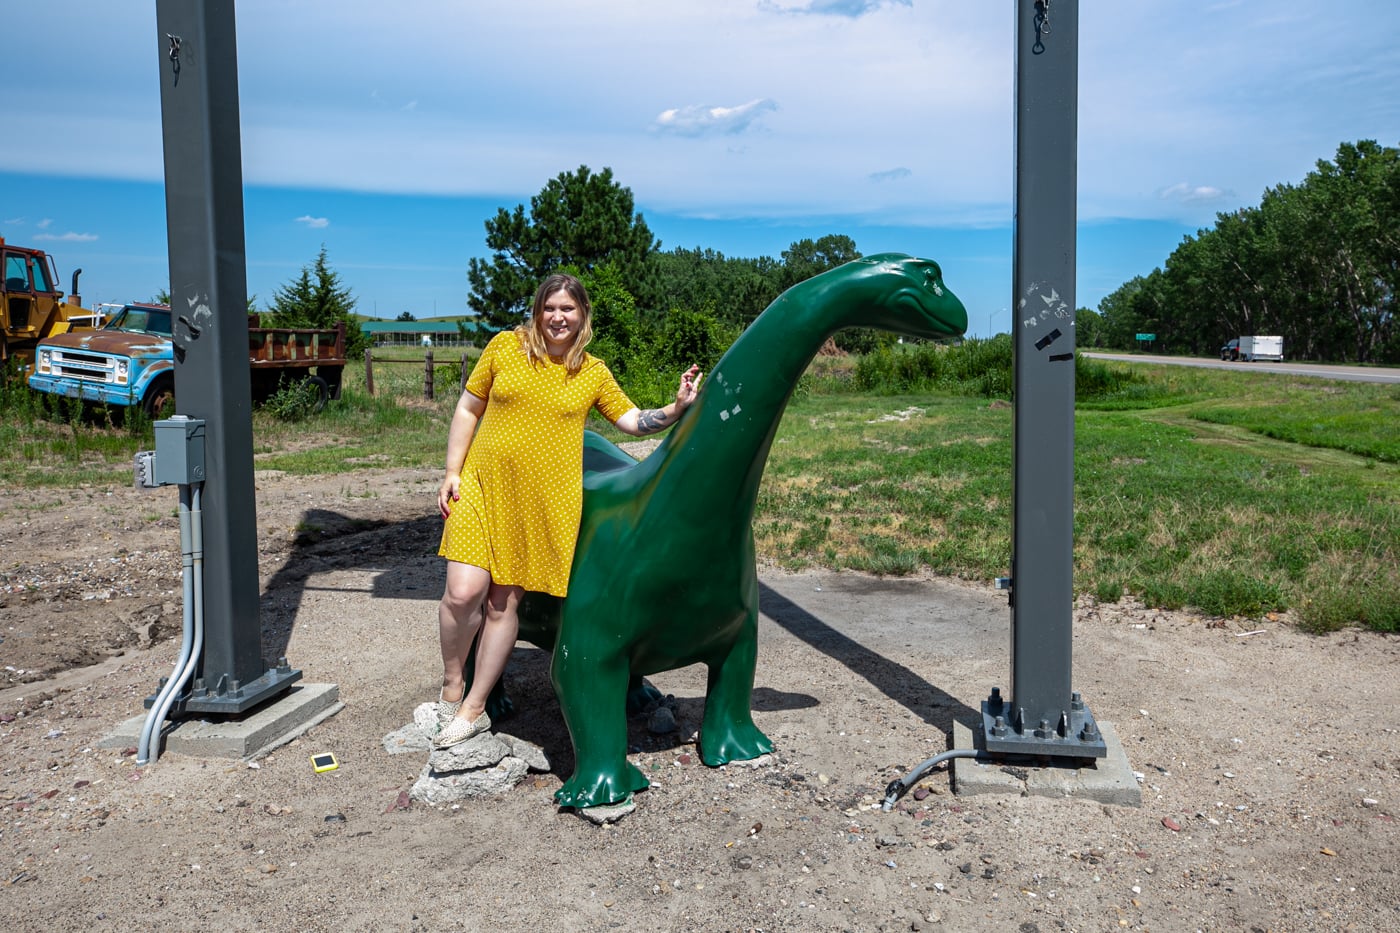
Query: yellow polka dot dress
[[522, 483]]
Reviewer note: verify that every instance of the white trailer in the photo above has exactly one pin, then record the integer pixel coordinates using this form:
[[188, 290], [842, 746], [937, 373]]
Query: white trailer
[[1249, 349], [1261, 348]]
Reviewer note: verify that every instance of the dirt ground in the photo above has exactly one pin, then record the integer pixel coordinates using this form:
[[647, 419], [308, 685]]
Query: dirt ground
[[1269, 760]]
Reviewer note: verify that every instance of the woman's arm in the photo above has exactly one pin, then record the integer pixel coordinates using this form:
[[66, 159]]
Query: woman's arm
[[639, 423], [459, 440]]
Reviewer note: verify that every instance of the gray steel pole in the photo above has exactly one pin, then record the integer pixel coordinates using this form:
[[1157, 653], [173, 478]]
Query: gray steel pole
[[1043, 715], [208, 294]]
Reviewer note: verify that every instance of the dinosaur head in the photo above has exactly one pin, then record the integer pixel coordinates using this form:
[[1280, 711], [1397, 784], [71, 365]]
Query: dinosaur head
[[899, 293]]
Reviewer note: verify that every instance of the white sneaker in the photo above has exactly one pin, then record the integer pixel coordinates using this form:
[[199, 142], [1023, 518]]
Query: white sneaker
[[446, 711], [459, 730]]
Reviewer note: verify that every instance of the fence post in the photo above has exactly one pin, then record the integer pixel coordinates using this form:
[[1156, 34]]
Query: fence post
[[369, 370], [463, 387], [428, 375]]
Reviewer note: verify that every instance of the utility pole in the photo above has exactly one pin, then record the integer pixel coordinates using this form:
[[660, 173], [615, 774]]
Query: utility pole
[[209, 301], [1043, 716]]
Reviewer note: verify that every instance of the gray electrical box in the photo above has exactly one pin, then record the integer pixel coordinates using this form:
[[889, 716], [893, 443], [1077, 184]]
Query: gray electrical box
[[179, 451]]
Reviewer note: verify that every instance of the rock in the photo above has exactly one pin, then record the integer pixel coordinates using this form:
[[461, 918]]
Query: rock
[[479, 751], [410, 738], [762, 761], [662, 721], [439, 787], [1171, 824], [528, 752], [610, 813], [425, 718]]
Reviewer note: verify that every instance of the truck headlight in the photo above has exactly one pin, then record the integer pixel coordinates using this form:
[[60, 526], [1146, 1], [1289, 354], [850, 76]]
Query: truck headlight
[[123, 371], [45, 363]]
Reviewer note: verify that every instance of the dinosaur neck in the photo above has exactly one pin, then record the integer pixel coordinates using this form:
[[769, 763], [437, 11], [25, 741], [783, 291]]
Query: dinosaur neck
[[724, 438]]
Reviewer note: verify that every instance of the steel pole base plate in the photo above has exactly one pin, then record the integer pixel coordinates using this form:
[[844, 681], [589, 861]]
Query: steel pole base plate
[[1073, 735], [232, 698]]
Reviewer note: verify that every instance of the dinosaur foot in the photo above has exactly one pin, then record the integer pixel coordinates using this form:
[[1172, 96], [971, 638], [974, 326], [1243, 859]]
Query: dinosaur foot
[[642, 697], [735, 743], [599, 788]]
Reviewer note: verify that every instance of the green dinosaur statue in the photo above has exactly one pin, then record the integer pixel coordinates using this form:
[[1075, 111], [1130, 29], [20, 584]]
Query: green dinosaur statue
[[664, 573]]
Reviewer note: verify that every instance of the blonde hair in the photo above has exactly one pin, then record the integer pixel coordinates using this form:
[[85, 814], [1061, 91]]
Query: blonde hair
[[532, 331]]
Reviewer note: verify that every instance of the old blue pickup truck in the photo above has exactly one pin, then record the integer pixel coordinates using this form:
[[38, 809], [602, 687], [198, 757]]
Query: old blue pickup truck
[[131, 361]]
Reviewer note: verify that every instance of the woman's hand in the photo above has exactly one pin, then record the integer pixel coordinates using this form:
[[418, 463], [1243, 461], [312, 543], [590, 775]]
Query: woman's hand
[[640, 423], [689, 388], [448, 493]]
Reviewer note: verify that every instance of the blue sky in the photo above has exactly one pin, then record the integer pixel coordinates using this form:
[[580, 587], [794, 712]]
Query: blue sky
[[390, 132]]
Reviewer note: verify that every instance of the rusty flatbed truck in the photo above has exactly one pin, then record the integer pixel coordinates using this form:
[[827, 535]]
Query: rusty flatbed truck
[[131, 361]]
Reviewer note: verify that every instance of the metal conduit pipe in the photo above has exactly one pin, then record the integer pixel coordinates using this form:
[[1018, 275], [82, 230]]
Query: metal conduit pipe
[[192, 640], [899, 788]]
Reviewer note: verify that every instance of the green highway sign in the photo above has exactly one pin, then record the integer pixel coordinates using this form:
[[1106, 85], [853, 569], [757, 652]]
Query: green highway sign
[[1147, 336]]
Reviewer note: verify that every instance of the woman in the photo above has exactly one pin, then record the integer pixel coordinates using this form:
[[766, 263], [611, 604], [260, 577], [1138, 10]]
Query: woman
[[513, 492]]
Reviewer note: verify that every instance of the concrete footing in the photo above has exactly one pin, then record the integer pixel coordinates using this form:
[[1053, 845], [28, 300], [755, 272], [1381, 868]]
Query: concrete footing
[[1107, 780], [300, 708]]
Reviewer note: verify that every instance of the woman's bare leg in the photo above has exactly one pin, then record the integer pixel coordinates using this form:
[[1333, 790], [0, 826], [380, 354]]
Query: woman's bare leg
[[497, 640], [459, 620]]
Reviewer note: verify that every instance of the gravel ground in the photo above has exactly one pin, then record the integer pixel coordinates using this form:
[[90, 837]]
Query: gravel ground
[[1269, 759]]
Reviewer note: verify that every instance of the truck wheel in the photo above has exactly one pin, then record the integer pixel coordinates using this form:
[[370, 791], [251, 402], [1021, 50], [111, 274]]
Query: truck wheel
[[323, 392], [160, 398]]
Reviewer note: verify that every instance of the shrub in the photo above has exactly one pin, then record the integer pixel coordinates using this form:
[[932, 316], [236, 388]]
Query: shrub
[[293, 401]]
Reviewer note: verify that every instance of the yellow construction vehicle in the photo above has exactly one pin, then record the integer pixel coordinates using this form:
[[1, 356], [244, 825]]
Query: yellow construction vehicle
[[31, 306]]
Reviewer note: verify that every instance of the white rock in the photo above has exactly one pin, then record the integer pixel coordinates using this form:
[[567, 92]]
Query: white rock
[[479, 751], [528, 752], [438, 788]]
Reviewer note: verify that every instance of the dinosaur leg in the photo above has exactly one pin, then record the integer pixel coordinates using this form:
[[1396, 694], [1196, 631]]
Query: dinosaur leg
[[592, 686], [728, 733]]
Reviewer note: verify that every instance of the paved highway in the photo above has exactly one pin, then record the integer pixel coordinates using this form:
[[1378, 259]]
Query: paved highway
[[1319, 370]]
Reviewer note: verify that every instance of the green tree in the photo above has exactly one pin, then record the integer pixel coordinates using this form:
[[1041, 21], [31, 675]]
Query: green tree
[[1088, 327], [316, 298], [737, 289], [405, 316], [806, 258], [579, 219]]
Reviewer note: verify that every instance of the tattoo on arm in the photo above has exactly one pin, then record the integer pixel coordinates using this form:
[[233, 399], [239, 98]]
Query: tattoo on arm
[[651, 420]]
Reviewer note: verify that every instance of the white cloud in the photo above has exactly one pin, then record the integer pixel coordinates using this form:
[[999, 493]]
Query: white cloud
[[1187, 193], [314, 223], [701, 121], [45, 223], [852, 9], [69, 237]]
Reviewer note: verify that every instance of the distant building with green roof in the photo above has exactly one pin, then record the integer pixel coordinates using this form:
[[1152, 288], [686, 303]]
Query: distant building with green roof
[[424, 333]]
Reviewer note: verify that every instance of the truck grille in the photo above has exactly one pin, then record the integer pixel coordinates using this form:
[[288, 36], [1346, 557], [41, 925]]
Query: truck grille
[[87, 367]]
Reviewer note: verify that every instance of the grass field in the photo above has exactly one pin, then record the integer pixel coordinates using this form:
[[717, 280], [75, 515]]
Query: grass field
[[1234, 493]]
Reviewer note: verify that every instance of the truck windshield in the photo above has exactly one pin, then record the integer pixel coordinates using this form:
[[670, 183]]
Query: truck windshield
[[142, 321]]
